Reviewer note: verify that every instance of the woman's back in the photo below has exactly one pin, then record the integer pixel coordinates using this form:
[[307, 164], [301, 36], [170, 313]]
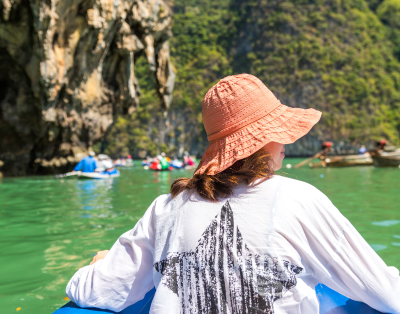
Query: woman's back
[[263, 250], [253, 242], [226, 257]]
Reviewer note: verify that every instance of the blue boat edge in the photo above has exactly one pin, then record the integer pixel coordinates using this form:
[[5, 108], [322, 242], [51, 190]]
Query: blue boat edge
[[331, 302], [142, 307]]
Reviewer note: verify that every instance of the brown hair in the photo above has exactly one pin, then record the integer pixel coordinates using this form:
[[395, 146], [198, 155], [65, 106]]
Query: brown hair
[[220, 185]]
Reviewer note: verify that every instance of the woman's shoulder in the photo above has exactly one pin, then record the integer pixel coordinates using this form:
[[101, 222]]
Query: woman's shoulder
[[289, 183], [296, 189], [165, 201], [162, 200], [303, 200]]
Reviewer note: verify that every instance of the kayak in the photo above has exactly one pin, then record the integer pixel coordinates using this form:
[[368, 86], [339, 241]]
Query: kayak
[[142, 307], [98, 175], [88, 175], [330, 302], [184, 167], [167, 169]]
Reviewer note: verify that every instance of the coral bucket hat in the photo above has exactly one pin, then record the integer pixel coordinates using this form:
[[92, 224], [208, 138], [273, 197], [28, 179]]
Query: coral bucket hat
[[241, 115]]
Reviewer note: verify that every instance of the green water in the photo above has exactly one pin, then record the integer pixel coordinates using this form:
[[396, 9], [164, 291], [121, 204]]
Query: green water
[[50, 227]]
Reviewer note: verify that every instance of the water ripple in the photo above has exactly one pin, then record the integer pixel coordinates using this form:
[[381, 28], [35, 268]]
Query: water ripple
[[386, 223]]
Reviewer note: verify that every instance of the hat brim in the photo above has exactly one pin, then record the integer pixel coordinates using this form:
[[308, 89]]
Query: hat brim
[[284, 125]]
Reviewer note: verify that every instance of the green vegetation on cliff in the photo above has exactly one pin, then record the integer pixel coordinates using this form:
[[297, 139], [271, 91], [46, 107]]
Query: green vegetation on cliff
[[340, 56], [389, 13], [330, 55]]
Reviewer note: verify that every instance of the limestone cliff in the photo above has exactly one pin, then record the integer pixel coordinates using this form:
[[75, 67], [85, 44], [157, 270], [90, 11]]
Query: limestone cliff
[[67, 69]]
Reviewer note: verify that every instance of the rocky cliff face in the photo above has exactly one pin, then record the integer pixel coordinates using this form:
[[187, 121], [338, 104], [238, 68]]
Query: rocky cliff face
[[334, 56], [67, 69]]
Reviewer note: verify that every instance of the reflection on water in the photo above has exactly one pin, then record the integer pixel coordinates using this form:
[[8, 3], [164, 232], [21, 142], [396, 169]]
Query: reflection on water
[[94, 199], [378, 247], [49, 228], [162, 176], [93, 194], [386, 223]]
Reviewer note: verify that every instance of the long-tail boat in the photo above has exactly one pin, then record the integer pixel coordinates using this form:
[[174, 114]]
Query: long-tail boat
[[344, 161], [385, 156], [386, 159], [337, 161]]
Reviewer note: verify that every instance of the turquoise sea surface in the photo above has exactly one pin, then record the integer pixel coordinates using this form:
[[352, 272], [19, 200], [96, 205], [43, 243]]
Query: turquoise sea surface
[[51, 227]]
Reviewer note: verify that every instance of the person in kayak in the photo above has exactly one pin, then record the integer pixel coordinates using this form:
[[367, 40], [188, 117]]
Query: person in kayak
[[188, 160], [176, 163], [236, 237], [362, 150], [87, 164], [164, 162], [160, 163], [109, 166]]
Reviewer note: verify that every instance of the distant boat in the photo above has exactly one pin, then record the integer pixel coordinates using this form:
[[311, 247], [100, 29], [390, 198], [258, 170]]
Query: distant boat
[[98, 175], [343, 161], [387, 159], [88, 175]]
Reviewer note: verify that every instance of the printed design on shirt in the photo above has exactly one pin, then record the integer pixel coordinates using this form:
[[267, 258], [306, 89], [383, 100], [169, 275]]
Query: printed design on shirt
[[222, 276]]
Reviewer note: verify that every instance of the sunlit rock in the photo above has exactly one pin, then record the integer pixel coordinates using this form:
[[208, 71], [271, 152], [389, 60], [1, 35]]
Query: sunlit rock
[[67, 69]]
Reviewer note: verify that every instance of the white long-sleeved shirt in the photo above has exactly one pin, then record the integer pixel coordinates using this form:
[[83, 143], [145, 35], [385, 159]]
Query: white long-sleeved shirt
[[264, 248]]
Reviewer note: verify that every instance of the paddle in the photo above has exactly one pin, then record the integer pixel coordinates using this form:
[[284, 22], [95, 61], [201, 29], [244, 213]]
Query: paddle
[[317, 155], [68, 174]]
